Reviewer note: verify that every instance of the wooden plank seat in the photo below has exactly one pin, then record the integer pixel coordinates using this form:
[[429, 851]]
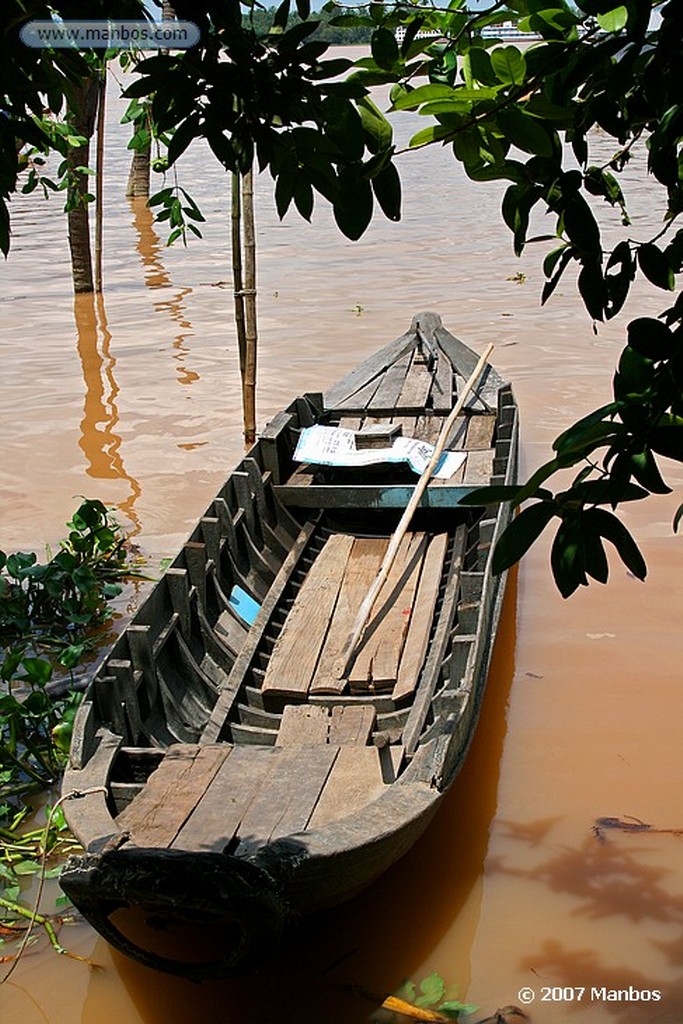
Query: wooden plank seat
[[473, 434], [339, 725], [393, 648], [237, 798]]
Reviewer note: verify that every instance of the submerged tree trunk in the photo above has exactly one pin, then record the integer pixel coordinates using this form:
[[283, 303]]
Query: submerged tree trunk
[[82, 113], [139, 174], [99, 180]]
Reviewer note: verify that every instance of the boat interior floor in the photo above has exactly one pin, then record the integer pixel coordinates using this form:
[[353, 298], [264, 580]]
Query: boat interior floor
[[236, 798]]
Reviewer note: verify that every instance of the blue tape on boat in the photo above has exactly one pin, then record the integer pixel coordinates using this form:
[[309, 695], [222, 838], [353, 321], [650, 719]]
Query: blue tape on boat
[[243, 605]]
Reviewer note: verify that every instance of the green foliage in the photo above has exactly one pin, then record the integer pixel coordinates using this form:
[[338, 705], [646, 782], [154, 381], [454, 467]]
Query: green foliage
[[48, 617], [36, 88], [289, 111], [430, 994], [530, 117], [260, 90], [25, 854]]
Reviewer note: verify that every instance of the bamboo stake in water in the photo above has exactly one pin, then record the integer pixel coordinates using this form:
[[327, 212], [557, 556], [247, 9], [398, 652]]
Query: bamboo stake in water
[[343, 662]]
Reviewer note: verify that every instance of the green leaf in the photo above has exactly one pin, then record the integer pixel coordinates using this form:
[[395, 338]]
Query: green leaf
[[614, 20], [38, 670], [595, 557], [303, 198], [387, 188], [613, 530], [435, 133], [592, 289], [552, 259], [646, 472], [677, 518], [522, 532], [491, 495], [378, 130], [353, 208], [423, 94], [384, 48], [453, 1008], [650, 338], [656, 267], [525, 132], [433, 990], [344, 126], [580, 224], [508, 65], [567, 556]]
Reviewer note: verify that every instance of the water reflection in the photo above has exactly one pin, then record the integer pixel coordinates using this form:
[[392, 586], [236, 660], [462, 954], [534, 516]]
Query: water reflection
[[149, 247], [99, 441]]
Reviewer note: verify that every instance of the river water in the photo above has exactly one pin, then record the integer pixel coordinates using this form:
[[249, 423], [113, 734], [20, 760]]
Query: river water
[[135, 400]]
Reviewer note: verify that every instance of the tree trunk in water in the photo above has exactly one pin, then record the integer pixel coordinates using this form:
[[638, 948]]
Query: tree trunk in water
[[251, 332], [99, 181], [138, 176], [82, 115]]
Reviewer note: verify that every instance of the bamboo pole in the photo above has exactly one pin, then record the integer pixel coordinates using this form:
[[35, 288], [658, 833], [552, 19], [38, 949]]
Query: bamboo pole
[[238, 282], [251, 333], [343, 663]]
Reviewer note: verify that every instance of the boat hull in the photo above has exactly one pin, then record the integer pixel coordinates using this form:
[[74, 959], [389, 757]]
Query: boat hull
[[225, 772]]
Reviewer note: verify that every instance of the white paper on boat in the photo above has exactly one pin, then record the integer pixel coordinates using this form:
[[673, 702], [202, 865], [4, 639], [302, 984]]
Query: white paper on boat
[[335, 446]]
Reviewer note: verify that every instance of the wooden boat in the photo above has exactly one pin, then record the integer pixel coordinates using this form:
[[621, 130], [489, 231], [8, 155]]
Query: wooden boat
[[224, 775]]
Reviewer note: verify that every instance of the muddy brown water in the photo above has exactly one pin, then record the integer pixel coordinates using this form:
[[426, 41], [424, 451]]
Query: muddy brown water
[[134, 399]]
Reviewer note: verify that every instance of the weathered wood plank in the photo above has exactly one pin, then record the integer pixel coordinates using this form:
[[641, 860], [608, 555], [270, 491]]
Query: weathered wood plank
[[352, 726], [303, 725], [350, 422], [295, 655], [456, 439], [361, 568], [157, 815], [216, 818], [438, 494], [285, 805], [442, 391], [356, 779], [244, 659], [89, 817], [376, 663], [361, 398], [429, 676], [479, 468], [231, 631], [428, 428], [368, 370], [391, 384], [309, 724], [416, 387], [480, 430], [421, 619], [275, 444]]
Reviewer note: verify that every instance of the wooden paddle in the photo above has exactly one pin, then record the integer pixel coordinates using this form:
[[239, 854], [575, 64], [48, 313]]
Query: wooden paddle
[[342, 663]]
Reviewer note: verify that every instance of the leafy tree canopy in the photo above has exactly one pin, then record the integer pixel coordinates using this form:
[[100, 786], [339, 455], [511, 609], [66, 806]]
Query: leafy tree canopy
[[265, 93]]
